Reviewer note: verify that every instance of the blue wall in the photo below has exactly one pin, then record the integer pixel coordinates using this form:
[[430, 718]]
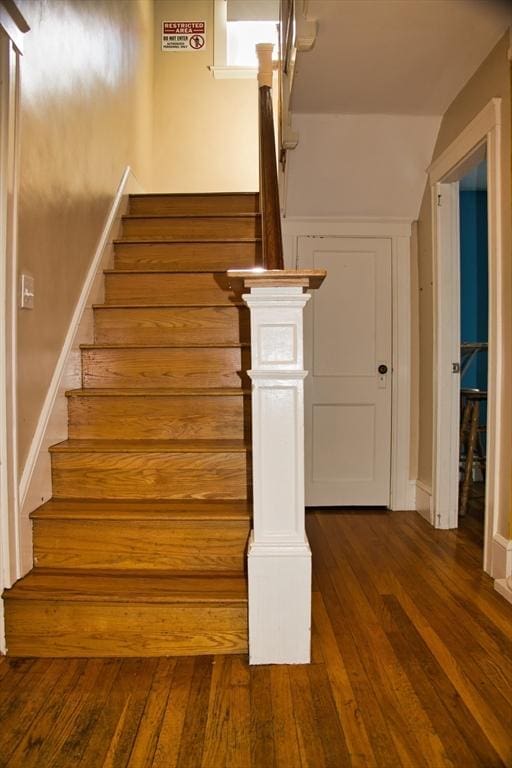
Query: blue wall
[[474, 281]]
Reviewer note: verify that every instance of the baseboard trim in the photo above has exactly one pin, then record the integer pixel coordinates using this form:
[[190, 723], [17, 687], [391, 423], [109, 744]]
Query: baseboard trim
[[424, 501], [501, 557], [411, 493], [35, 482], [504, 588]]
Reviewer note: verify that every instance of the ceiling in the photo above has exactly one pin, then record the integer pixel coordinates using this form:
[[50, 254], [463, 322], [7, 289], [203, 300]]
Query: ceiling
[[394, 56]]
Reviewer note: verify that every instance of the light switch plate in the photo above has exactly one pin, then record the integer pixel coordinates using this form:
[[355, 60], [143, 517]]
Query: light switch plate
[[26, 291]]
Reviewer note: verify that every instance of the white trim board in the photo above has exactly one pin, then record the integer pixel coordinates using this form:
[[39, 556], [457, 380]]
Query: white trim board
[[35, 484], [9, 171], [424, 504], [502, 566], [399, 232], [502, 557], [482, 133], [504, 588]]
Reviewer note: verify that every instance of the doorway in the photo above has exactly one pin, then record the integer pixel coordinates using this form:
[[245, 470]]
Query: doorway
[[474, 310], [479, 141]]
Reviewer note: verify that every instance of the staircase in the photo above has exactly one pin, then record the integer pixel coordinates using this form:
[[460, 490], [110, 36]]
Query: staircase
[[141, 550]]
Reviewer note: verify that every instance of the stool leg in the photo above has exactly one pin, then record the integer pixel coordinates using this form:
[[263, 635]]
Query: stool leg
[[468, 469], [481, 450], [464, 429]]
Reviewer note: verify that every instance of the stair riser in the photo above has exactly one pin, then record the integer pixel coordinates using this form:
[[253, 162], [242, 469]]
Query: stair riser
[[166, 418], [150, 475], [166, 367], [187, 256], [192, 228], [193, 204], [152, 546], [163, 288], [61, 629], [174, 325]]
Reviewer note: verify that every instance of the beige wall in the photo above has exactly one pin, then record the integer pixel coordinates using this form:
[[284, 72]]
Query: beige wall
[[491, 80], [205, 130], [85, 115]]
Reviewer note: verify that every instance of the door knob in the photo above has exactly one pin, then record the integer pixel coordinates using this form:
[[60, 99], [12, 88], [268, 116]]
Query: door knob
[[383, 369]]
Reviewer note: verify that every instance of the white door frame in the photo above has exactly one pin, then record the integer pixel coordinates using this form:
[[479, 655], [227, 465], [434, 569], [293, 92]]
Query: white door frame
[[402, 486], [481, 136], [12, 28]]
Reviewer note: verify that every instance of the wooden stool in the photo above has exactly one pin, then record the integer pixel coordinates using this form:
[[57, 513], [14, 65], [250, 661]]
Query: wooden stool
[[471, 447]]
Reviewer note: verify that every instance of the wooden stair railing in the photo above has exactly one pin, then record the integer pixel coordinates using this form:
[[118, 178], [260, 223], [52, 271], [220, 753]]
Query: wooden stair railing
[[278, 557], [272, 242]]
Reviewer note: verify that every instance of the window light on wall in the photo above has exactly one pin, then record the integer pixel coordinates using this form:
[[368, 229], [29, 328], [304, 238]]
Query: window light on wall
[[242, 37], [238, 26]]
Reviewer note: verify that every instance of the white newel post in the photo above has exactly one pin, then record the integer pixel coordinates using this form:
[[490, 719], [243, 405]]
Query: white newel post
[[279, 557]]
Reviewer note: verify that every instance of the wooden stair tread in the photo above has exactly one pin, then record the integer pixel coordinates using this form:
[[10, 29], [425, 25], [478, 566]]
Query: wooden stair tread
[[191, 240], [181, 270], [234, 215], [192, 194], [180, 241], [169, 306], [186, 510], [129, 586], [189, 273], [150, 446], [169, 392], [187, 345]]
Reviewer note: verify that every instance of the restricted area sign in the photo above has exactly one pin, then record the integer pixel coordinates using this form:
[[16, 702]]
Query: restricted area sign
[[183, 35]]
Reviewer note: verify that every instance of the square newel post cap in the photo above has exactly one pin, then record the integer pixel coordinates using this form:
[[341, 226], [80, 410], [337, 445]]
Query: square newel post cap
[[277, 278]]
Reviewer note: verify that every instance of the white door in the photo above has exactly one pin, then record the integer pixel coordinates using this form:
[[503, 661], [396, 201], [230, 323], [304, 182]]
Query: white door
[[348, 401]]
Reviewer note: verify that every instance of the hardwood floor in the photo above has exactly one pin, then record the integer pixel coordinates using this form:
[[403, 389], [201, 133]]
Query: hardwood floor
[[412, 666]]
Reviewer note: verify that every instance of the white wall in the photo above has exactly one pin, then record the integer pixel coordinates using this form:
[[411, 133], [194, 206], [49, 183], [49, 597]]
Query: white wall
[[359, 165]]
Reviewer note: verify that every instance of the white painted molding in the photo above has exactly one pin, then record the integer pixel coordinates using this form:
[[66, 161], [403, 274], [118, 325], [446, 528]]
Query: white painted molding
[[279, 558], [446, 384], [501, 557], [472, 135], [504, 588], [401, 380], [234, 73], [424, 505], [279, 603], [35, 482], [412, 495], [482, 133], [9, 184], [306, 28], [502, 566]]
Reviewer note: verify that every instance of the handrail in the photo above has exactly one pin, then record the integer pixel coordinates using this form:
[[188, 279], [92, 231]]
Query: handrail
[[272, 242], [287, 13]]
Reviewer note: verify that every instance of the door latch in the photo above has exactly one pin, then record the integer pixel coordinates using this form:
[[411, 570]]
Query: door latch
[[455, 367]]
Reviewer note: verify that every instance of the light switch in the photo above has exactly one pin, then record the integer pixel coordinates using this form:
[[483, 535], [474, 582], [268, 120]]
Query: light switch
[[26, 291]]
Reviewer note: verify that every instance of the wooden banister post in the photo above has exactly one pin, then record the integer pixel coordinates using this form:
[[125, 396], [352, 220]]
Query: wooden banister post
[[265, 66], [279, 558]]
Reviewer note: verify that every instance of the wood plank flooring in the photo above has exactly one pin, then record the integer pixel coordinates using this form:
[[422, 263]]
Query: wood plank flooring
[[412, 666]]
